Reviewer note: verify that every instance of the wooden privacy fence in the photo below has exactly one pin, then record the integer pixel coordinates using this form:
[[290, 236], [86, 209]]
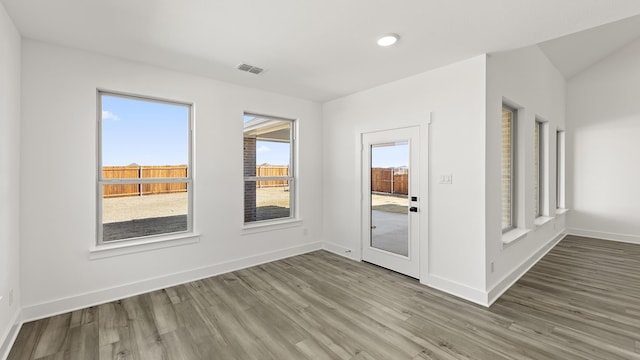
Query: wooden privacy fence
[[390, 180], [272, 170], [143, 172], [178, 171]]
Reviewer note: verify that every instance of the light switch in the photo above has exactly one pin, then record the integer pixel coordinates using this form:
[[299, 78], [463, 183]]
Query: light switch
[[445, 179]]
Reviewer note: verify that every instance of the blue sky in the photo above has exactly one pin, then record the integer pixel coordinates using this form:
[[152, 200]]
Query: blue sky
[[151, 133], [143, 132], [273, 153], [390, 156]]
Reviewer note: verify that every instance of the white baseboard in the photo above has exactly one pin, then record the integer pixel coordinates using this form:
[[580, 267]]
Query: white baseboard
[[627, 238], [340, 250], [64, 305], [456, 289], [514, 275], [10, 336]]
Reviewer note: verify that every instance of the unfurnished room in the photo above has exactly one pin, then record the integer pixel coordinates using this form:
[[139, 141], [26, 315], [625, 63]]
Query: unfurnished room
[[305, 179]]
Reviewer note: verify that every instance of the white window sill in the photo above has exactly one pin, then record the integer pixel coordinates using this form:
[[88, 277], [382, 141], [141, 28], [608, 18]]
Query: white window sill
[[514, 235], [134, 246], [258, 227], [561, 211], [541, 220]]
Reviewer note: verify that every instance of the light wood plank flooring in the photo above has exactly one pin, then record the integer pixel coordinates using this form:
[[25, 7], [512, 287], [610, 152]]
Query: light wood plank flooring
[[582, 301]]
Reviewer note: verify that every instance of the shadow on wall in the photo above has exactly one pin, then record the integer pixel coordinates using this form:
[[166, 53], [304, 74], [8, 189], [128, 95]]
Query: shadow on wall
[[619, 222]]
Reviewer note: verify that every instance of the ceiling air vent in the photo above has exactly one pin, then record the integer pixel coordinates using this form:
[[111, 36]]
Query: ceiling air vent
[[250, 68]]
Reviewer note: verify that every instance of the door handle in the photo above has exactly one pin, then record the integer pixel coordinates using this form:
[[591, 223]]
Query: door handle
[[413, 209]]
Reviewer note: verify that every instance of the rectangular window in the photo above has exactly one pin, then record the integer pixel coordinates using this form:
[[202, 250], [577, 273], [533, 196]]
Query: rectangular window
[[269, 176], [538, 163], [508, 168], [144, 167], [560, 169]]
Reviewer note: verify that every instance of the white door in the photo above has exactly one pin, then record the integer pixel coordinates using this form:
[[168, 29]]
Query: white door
[[390, 201]]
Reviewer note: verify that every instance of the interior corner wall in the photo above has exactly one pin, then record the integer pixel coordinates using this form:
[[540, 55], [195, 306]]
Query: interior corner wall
[[453, 235], [10, 44], [58, 177], [528, 80], [603, 154]]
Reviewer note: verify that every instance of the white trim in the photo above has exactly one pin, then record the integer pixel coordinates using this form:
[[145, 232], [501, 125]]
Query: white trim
[[603, 235], [124, 247], [101, 182], [561, 171], [514, 235], [541, 220], [561, 211], [340, 250], [514, 275], [270, 225], [409, 264], [81, 301], [10, 337], [292, 178], [457, 289]]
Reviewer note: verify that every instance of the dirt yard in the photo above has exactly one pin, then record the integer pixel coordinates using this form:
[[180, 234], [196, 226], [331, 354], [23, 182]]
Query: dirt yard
[[143, 207], [161, 205], [151, 206], [384, 199], [390, 203]]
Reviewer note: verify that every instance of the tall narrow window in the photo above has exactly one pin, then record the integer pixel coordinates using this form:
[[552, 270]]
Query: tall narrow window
[[144, 167], [269, 177], [538, 163], [560, 169], [508, 168]]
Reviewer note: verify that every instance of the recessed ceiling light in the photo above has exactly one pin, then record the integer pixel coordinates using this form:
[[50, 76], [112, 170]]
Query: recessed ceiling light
[[388, 39]]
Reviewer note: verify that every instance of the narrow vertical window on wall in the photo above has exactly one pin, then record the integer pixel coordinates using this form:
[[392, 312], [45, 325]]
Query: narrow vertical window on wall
[[269, 176], [144, 167], [508, 168], [560, 169], [538, 163]]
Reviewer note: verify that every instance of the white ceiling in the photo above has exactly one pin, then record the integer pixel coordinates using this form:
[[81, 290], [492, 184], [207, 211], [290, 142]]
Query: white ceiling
[[574, 53], [313, 49]]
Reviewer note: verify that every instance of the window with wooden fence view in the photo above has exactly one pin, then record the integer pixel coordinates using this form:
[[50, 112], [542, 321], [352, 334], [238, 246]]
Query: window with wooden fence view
[[144, 177], [268, 168]]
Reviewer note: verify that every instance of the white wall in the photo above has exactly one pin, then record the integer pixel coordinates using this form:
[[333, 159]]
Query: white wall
[[9, 176], [58, 180], [453, 237], [527, 80], [603, 150]]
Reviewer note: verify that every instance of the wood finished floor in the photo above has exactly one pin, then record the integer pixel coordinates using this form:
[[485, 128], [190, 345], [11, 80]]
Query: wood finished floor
[[582, 301]]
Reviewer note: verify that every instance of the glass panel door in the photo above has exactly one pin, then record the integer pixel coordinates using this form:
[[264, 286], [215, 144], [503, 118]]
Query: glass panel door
[[389, 197]]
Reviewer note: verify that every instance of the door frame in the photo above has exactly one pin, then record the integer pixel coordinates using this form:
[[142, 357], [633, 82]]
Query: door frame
[[424, 198]]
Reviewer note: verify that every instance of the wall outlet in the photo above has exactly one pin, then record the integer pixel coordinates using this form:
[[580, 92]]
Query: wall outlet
[[10, 297]]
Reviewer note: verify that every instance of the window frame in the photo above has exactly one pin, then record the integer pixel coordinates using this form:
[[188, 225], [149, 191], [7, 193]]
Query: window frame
[[560, 169], [291, 178], [540, 169], [513, 224], [101, 182]]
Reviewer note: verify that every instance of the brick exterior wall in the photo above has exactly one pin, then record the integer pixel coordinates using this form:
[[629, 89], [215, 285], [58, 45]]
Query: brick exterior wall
[[249, 186], [507, 123]]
